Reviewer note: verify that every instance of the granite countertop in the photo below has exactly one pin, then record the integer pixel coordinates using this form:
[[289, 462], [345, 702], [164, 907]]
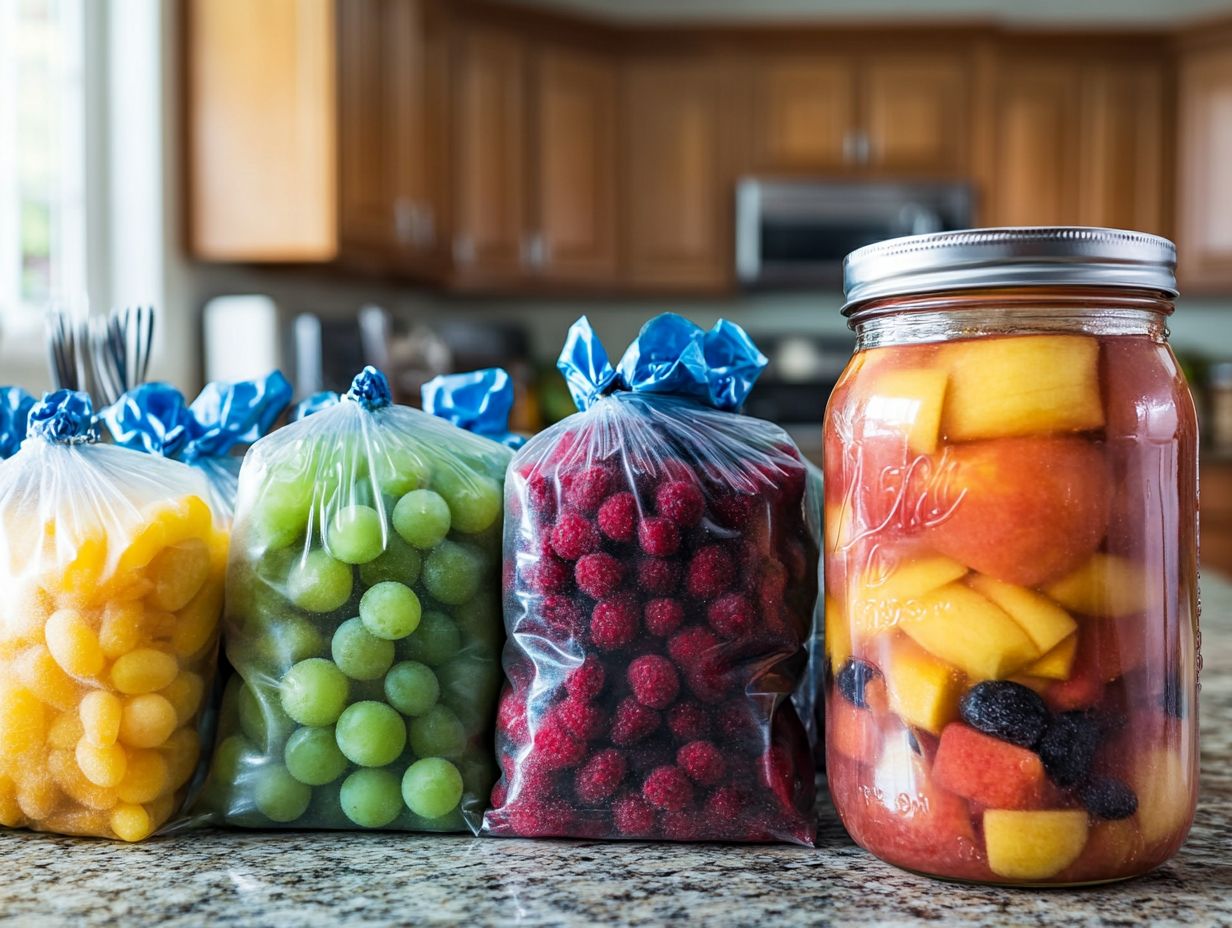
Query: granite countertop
[[306, 880]]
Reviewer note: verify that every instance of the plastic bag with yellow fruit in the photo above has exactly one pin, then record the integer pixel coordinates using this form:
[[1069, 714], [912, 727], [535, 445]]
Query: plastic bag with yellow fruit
[[112, 566]]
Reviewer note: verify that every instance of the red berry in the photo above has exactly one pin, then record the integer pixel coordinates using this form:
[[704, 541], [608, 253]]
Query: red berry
[[633, 816], [633, 722], [550, 575], [732, 616], [736, 724], [511, 717], [776, 772], [688, 721], [601, 776], [680, 826], [658, 537], [562, 614], [654, 681], [618, 517], [598, 575], [656, 575], [585, 489], [795, 559], [541, 495], [668, 788], [708, 678], [727, 804], [733, 509], [555, 747], [710, 573], [681, 501], [702, 762], [573, 536], [663, 616], [687, 647], [586, 681], [581, 719], [538, 818], [772, 584], [613, 623], [500, 792]]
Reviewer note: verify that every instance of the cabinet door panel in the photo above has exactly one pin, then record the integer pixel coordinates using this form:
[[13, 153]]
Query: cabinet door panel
[[1205, 175], [916, 114], [804, 114]]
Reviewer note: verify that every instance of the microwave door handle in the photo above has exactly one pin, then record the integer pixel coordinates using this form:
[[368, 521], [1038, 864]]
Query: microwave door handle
[[748, 231]]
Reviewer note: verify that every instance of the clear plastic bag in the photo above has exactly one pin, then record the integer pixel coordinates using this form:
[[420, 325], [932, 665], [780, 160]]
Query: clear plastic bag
[[363, 622], [15, 406], [112, 567], [661, 591]]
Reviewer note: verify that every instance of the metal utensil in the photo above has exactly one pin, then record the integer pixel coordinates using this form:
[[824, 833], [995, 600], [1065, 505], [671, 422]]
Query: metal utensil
[[66, 351]]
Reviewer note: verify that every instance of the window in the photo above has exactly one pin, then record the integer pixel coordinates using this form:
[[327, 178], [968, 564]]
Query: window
[[43, 158]]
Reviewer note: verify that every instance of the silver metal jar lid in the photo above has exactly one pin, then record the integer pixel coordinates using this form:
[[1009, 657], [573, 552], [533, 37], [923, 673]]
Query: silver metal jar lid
[[1040, 256]]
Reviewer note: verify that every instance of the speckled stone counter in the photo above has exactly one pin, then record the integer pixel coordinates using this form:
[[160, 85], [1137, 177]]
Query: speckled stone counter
[[306, 880]]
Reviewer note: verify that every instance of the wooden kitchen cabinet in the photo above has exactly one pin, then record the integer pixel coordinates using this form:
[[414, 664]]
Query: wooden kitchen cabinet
[[804, 114], [915, 114]]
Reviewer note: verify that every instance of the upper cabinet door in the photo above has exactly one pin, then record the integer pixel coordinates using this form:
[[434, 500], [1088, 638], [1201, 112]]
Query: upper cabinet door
[[489, 183], [574, 154], [1205, 174], [680, 188], [804, 114], [915, 114]]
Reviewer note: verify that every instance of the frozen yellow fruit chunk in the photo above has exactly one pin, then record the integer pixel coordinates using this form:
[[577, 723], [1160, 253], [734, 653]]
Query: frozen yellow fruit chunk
[[146, 777], [182, 751], [838, 635], [1164, 783], [962, 628], [143, 671], [23, 722], [923, 690], [886, 600], [148, 721], [38, 795], [76, 786], [184, 693], [45, 678], [81, 579], [1045, 623], [911, 402], [64, 733], [1058, 663], [1033, 845], [131, 822], [1025, 385], [102, 766], [101, 713], [197, 623], [1107, 585], [120, 630], [10, 811], [178, 573], [73, 644]]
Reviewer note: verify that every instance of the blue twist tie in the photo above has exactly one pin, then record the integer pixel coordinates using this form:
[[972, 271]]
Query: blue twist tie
[[672, 356], [15, 405], [370, 389], [478, 401], [152, 418], [65, 417], [315, 404]]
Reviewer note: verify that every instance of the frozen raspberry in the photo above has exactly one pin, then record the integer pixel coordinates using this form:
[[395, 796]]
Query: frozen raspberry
[[681, 501], [500, 792], [618, 517], [613, 623], [688, 721], [654, 681], [663, 616], [533, 778], [680, 826], [562, 614], [633, 816], [573, 536], [710, 573], [585, 489], [550, 575], [736, 725], [633, 722], [511, 717], [732, 616], [657, 576], [732, 509], [772, 584], [651, 753], [727, 804], [687, 647], [586, 681], [702, 762], [658, 537], [555, 747], [775, 771], [601, 776], [580, 719], [667, 788], [708, 681], [598, 575], [538, 818], [541, 495]]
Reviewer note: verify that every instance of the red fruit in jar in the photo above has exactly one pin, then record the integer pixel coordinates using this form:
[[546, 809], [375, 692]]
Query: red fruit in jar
[[618, 517], [702, 762], [688, 721], [586, 488], [658, 576], [667, 788], [633, 722], [598, 575], [1022, 510], [581, 719], [681, 501], [555, 747], [563, 614], [732, 616], [574, 535], [601, 776], [658, 537], [710, 573], [988, 771], [585, 682], [550, 575], [1085, 686], [663, 616], [853, 732], [613, 623], [654, 681], [633, 816]]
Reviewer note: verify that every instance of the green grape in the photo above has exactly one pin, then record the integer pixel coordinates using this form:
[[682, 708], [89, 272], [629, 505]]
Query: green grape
[[390, 610], [370, 734], [325, 811], [411, 688], [474, 500], [279, 796], [480, 622], [312, 756], [400, 563], [371, 798], [314, 692], [318, 583], [358, 653], [280, 516], [437, 733], [422, 518], [233, 754], [286, 641], [452, 572], [400, 471], [450, 822], [356, 535], [261, 719], [432, 787], [435, 641], [469, 687]]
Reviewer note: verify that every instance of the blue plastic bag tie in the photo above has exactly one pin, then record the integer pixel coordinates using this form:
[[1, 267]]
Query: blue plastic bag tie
[[314, 404], [15, 405], [477, 401], [370, 389], [65, 417], [585, 365]]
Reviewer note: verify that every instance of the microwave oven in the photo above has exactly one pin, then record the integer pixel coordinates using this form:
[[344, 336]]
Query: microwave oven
[[796, 232]]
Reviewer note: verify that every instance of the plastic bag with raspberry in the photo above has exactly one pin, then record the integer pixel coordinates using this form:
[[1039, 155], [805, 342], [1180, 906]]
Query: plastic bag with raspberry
[[661, 582]]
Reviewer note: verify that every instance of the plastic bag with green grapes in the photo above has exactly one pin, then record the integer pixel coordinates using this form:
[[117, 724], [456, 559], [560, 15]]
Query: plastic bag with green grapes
[[363, 622]]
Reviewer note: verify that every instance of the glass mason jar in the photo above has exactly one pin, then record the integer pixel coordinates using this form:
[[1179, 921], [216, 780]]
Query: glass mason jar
[[1011, 558]]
